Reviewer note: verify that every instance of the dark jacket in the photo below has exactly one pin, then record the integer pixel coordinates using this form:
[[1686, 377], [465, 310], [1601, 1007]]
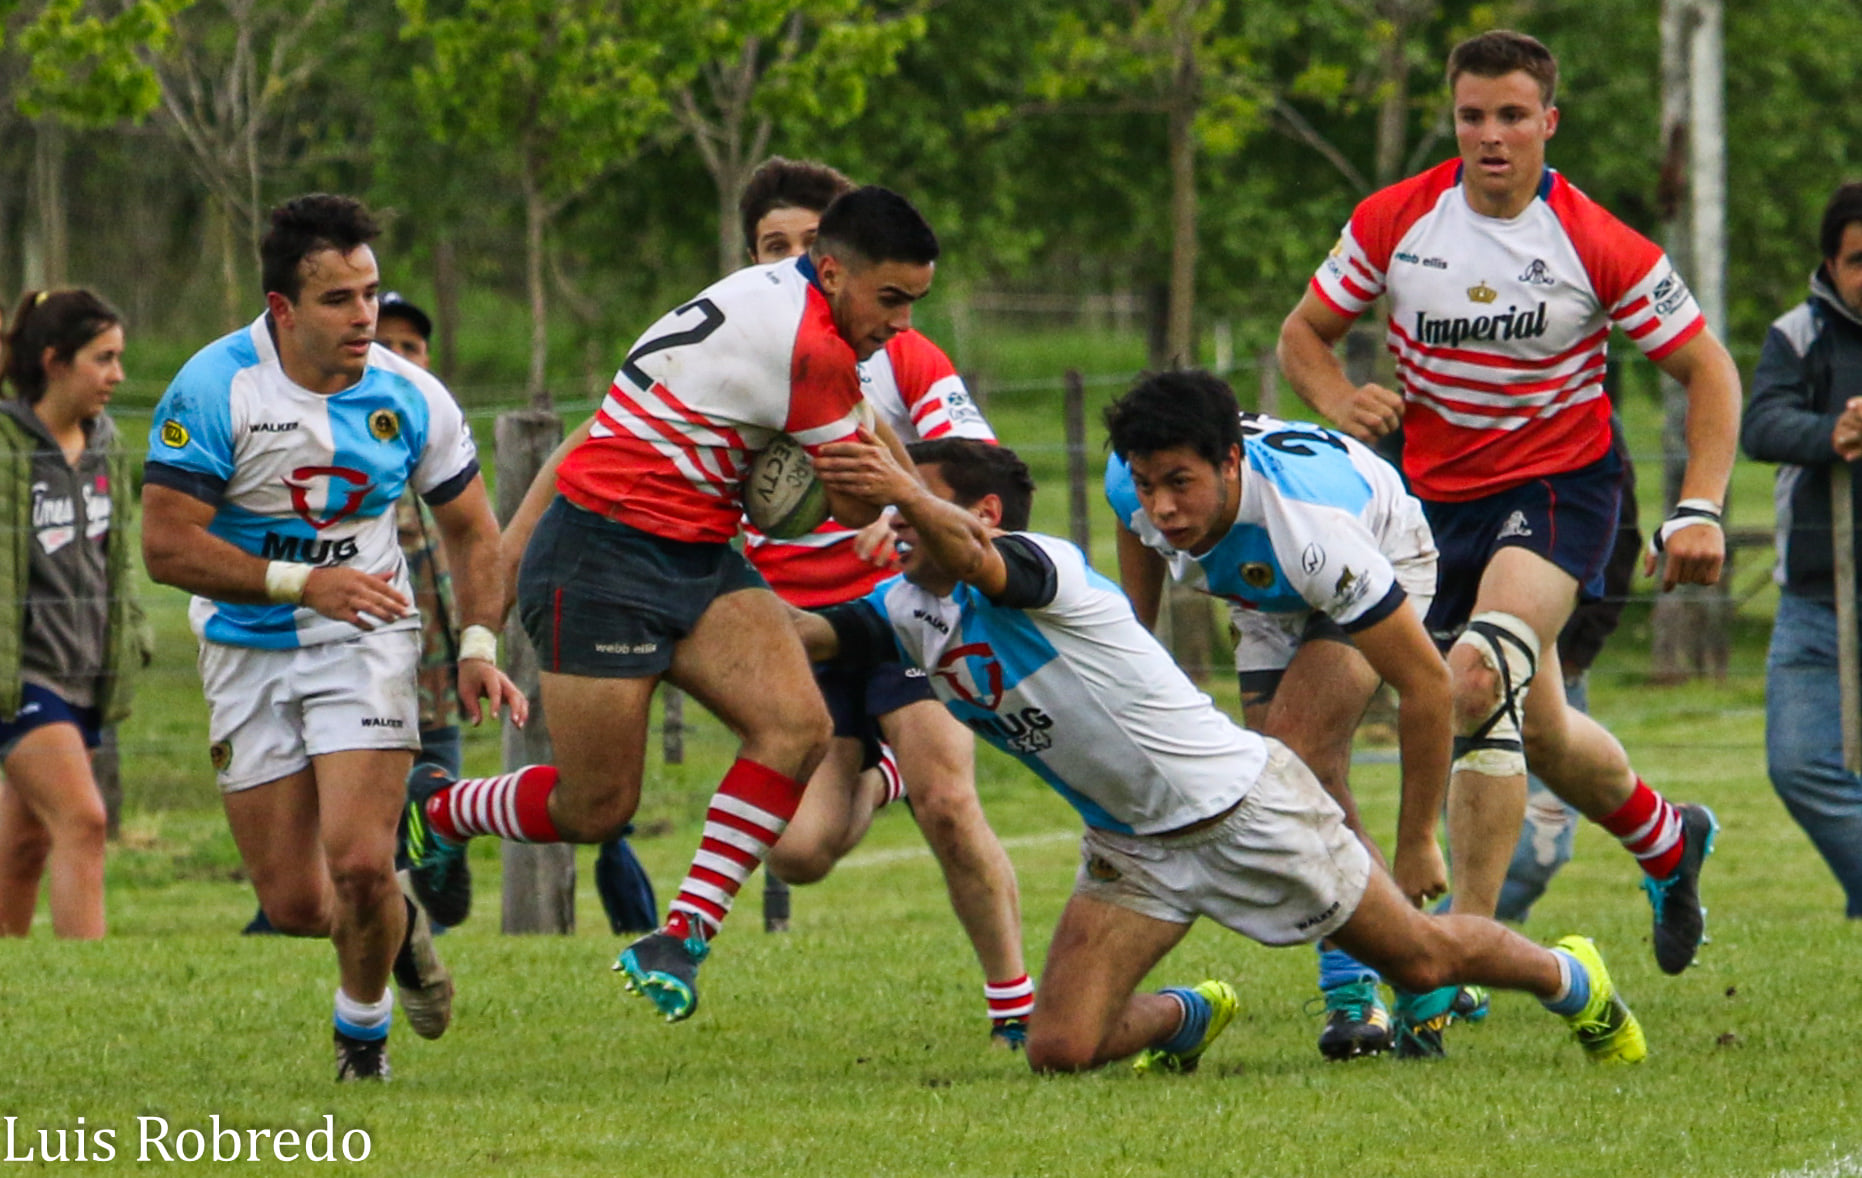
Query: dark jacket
[[1810, 366], [128, 642]]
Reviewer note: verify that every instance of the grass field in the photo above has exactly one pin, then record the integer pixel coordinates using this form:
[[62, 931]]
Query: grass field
[[855, 1045]]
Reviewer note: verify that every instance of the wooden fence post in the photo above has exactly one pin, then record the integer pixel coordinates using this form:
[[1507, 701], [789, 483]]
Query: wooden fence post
[[539, 878], [1079, 528]]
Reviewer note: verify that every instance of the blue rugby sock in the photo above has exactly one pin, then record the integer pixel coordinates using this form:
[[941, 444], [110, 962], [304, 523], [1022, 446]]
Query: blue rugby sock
[[1574, 994], [1339, 968], [1196, 1014], [367, 1021]]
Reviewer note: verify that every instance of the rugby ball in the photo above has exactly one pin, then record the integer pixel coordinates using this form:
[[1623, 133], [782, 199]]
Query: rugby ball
[[782, 498]]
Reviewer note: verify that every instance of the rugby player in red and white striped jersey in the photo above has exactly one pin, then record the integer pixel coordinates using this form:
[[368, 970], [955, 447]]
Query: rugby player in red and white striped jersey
[[630, 576], [912, 387], [1503, 283]]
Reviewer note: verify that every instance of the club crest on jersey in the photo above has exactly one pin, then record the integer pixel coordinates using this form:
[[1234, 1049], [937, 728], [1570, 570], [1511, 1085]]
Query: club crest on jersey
[[1536, 275], [1257, 574], [174, 434], [301, 482], [1313, 559], [954, 667], [385, 425], [1669, 294], [1481, 293]]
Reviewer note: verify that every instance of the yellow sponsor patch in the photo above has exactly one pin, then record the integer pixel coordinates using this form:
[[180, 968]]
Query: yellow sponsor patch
[[385, 424], [174, 434]]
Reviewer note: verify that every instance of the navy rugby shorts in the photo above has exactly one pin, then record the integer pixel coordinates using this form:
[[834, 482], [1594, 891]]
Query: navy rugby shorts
[[602, 599], [1569, 519], [858, 697]]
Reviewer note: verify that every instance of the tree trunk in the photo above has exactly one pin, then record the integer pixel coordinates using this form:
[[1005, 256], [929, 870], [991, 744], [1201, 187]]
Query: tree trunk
[[48, 174], [1180, 333], [1690, 624], [231, 312], [446, 305], [535, 221]]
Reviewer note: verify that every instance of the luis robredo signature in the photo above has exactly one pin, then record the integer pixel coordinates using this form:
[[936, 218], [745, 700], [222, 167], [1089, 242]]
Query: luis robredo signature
[[155, 1139]]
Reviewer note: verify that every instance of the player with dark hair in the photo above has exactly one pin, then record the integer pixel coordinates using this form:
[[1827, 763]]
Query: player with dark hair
[[1186, 814], [1328, 568], [891, 735], [1503, 282], [630, 576], [275, 461], [75, 635]]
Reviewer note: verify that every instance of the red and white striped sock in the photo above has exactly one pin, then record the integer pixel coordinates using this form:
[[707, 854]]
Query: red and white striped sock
[[746, 817], [1650, 826], [889, 772], [1009, 999], [511, 805]]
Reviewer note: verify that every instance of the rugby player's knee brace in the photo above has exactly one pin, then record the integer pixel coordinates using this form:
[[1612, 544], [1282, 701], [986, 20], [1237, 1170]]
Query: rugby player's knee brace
[[1509, 648]]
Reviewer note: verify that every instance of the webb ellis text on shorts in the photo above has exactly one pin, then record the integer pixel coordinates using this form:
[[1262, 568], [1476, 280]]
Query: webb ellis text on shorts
[[155, 1139]]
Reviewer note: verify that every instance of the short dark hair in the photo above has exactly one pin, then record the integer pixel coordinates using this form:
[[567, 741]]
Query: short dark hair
[[393, 306], [1165, 410], [305, 225], [780, 183], [1845, 207], [975, 469], [1498, 52], [874, 224], [62, 320]]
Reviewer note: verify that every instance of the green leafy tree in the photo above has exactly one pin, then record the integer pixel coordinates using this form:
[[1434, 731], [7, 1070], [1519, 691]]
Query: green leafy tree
[[764, 62], [1192, 61], [549, 95]]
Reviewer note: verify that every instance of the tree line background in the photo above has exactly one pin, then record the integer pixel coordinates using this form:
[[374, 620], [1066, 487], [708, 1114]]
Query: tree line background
[[556, 171]]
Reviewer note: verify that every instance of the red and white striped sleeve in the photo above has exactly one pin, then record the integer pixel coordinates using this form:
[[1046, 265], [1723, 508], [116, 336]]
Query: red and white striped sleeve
[[1353, 275], [932, 392], [1633, 278]]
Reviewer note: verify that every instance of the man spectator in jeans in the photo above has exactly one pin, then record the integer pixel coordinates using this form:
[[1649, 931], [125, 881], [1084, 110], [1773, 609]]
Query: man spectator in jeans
[[1806, 415]]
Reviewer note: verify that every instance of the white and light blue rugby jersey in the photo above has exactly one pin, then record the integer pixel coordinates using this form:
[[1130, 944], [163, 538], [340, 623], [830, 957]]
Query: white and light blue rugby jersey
[[1079, 692], [1324, 524], [300, 476]]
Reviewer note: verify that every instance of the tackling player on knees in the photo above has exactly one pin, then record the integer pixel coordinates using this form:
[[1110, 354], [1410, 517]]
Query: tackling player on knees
[[1508, 445], [1186, 814]]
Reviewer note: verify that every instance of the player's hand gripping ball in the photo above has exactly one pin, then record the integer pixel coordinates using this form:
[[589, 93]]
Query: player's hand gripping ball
[[781, 495]]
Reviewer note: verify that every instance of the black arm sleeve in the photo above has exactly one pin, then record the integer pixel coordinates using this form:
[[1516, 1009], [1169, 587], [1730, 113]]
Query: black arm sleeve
[[1388, 604], [203, 487], [865, 637], [1032, 581], [452, 488]]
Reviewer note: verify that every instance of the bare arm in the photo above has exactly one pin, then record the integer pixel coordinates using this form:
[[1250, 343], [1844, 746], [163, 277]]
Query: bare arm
[[536, 500], [957, 540], [1399, 650], [1307, 336], [180, 551], [1141, 573], [469, 535], [1696, 554]]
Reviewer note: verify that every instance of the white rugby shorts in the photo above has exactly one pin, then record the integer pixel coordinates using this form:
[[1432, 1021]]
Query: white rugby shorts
[[1283, 868], [271, 711]]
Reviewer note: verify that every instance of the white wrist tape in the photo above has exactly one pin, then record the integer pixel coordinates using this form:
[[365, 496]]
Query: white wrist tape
[[284, 581], [478, 642], [1686, 514]]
